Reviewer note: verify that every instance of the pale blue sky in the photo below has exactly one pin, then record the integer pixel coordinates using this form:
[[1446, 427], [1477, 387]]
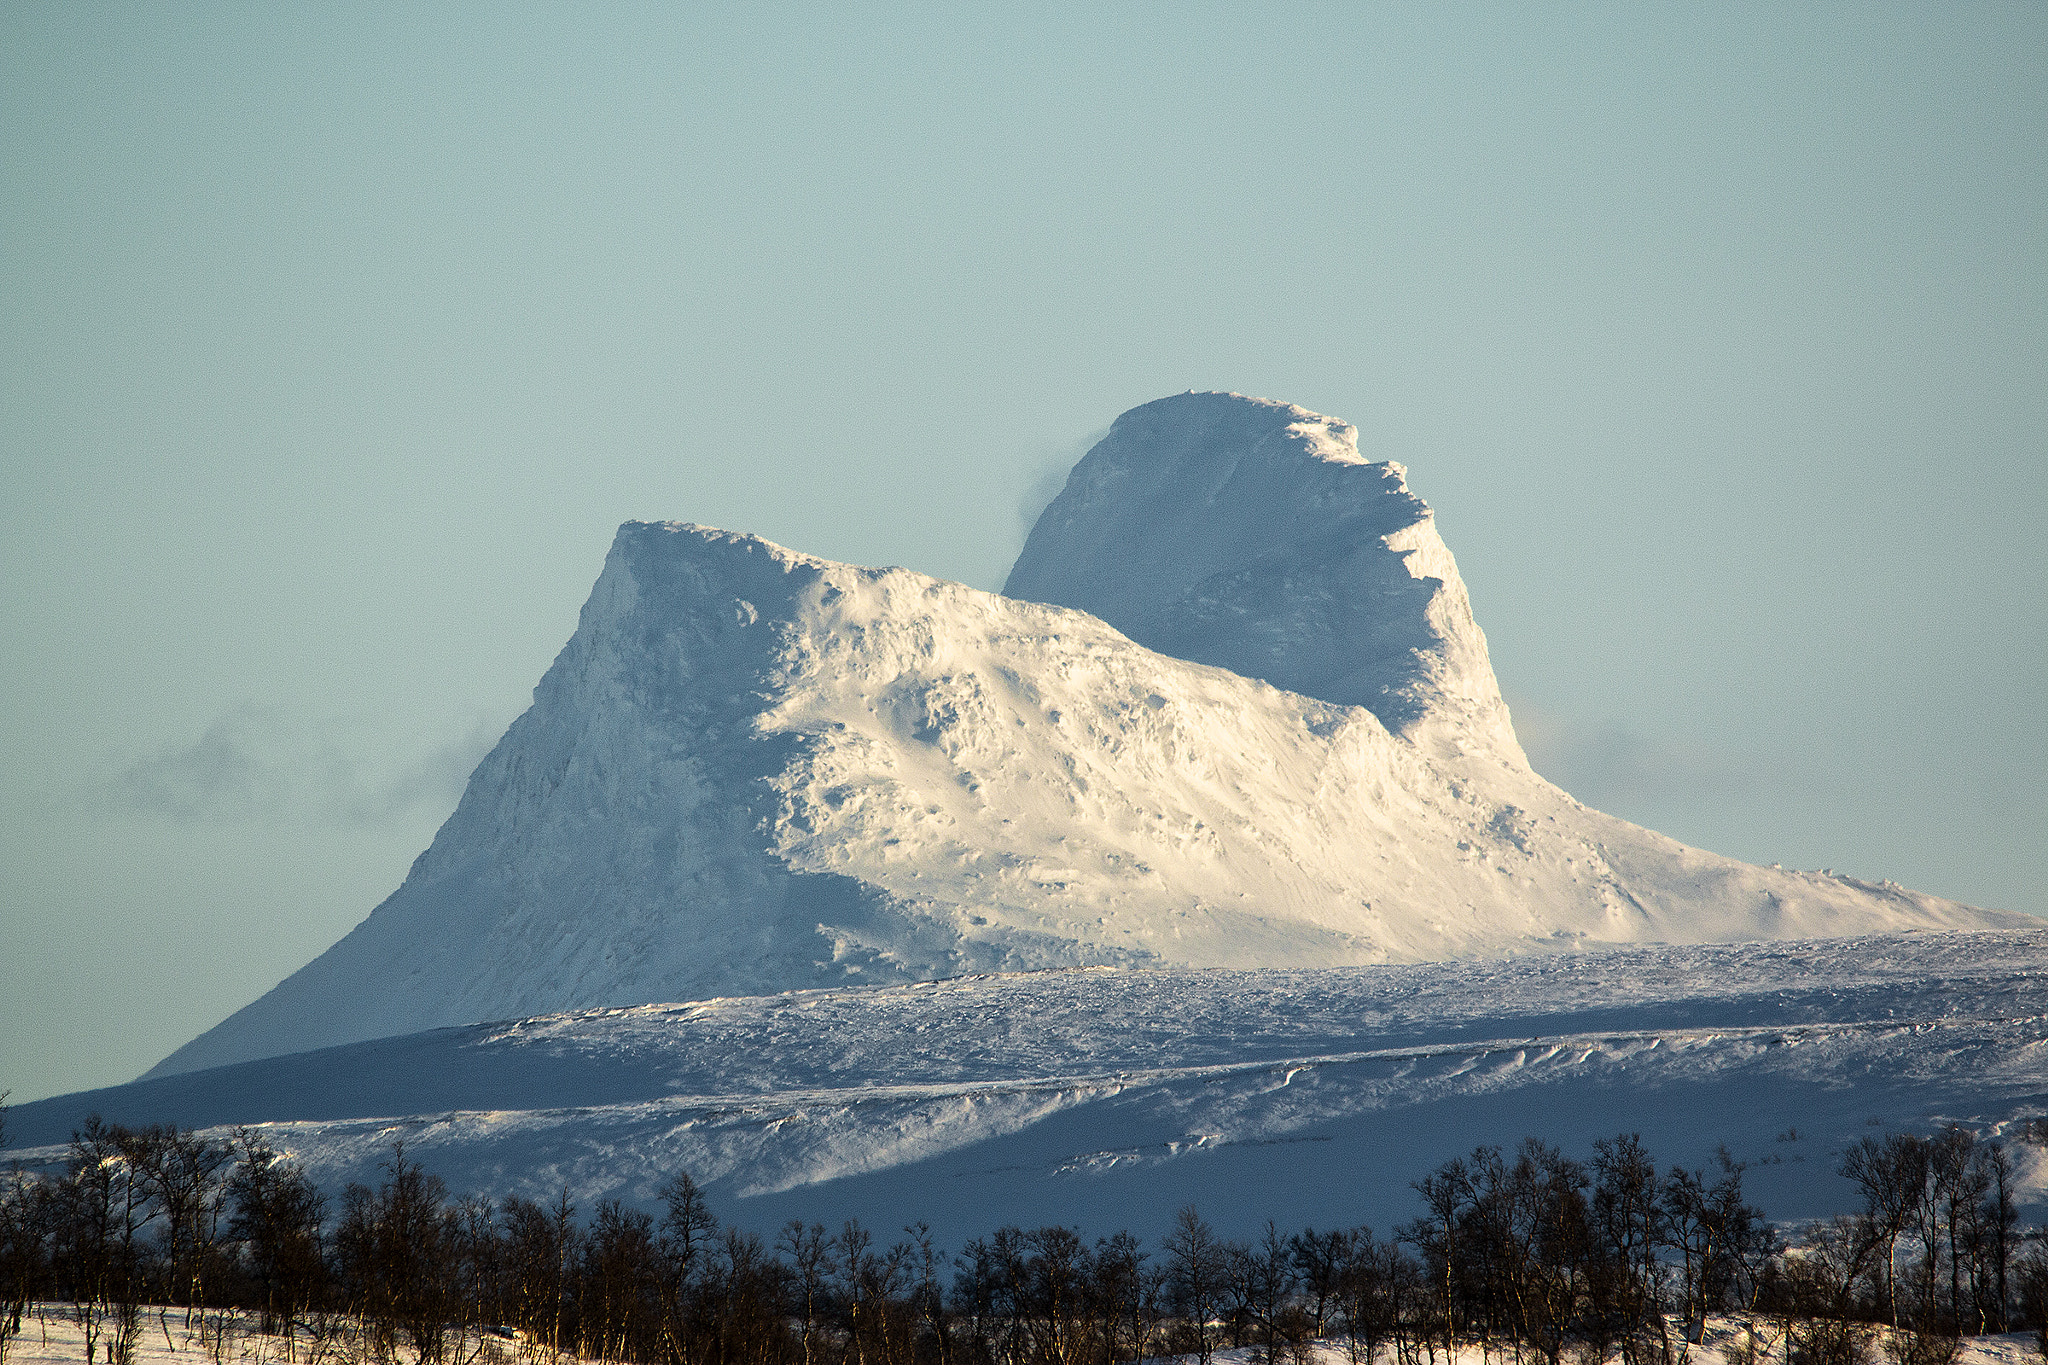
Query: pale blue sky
[[338, 339]]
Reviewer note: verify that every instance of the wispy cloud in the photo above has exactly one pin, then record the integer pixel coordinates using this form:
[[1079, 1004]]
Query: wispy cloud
[[258, 764], [1608, 765], [1048, 478]]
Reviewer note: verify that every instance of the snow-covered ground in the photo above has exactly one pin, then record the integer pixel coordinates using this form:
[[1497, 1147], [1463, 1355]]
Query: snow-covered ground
[[51, 1337], [2012, 1348], [1110, 1097]]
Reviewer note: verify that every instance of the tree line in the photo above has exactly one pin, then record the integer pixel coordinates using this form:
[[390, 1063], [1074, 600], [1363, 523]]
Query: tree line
[[1527, 1252]]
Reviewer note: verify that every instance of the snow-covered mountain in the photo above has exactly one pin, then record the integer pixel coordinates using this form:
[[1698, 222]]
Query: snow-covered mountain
[[1252, 535], [752, 770], [1109, 1097]]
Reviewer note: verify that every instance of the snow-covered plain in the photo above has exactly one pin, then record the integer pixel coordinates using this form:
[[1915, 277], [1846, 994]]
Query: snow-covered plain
[[1109, 1097], [51, 1337], [752, 770]]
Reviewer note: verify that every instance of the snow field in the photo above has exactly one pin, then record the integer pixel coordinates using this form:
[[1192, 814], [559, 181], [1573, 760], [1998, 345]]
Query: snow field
[[50, 1336], [1109, 1097]]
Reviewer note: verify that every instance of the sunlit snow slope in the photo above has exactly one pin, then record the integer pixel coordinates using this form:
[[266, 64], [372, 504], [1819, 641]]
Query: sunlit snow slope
[[1110, 1097], [752, 770]]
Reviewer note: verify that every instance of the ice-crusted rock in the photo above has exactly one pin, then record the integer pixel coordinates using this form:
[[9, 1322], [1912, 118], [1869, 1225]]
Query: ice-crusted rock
[[751, 770], [1252, 535]]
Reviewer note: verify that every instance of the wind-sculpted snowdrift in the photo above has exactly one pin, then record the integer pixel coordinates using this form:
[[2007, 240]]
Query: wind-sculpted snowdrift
[[752, 770], [1107, 1097]]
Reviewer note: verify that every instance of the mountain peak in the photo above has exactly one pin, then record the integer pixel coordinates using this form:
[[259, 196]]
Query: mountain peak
[[752, 770], [1218, 420], [1252, 535]]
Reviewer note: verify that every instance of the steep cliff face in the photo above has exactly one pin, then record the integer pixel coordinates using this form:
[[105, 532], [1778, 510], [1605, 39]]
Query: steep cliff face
[[1252, 535]]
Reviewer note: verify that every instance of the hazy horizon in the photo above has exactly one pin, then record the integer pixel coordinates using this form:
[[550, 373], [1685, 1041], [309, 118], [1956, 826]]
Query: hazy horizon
[[340, 343]]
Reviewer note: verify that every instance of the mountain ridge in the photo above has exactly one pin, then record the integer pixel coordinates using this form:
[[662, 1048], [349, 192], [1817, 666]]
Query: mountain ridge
[[752, 769]]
